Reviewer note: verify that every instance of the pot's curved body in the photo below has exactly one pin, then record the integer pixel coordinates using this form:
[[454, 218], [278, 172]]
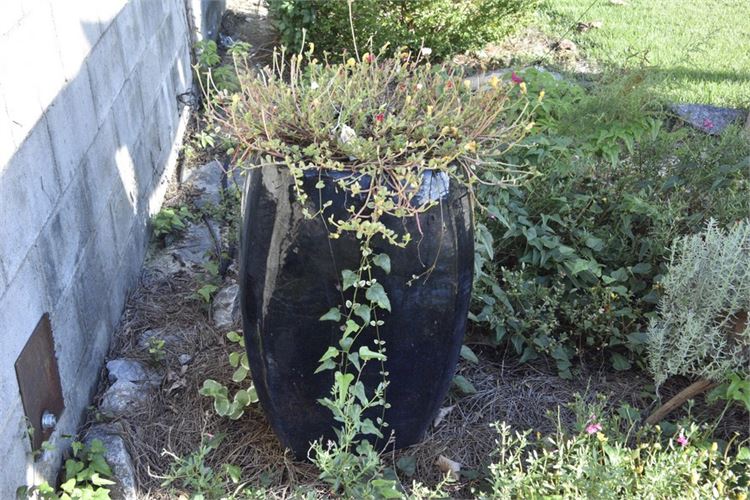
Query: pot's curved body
[[290, 273]]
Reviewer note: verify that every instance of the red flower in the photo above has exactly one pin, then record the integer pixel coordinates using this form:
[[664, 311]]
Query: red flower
[[449, 84], [369, 58], [515, 78], [379, 117]]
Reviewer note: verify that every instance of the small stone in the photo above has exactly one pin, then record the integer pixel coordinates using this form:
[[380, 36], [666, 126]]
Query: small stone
[[145, 342], [118, 459], [226, 306], [197, 241], [130, 370], [121, 397], [207, 181], [709, 119], [163, 263], [184, 359], [565, 45]]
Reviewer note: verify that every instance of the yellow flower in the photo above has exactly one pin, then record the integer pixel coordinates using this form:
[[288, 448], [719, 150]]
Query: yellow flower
[[601, 437], [694, 477], [429, 110], [494, 81], [351, 62], [467, 84], [714, 447], [541, 95], [522, 86], [471, 147]]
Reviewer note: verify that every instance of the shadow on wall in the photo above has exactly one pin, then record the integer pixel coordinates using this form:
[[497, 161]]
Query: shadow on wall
[[89, 117]]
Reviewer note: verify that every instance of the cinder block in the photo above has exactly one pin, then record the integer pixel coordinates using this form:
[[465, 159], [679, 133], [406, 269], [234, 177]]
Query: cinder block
[[67, 332], [183, 81], [126, 170], [31, 73], [92, 361], [100, 168], [12, 15], [106, 71], [136, 250], [72, 124], [28, 191], [152, 14], [151, 138], [144, 171], [68, 230], [94, 283], [77, 28], [149, 75], [40, 57], [7, 143], [166, 111], [107, 11], [122, 216], [3, 279], [179, 23], [15, 447], [166, 42], [21, 308], [128, 112], [129, 26]]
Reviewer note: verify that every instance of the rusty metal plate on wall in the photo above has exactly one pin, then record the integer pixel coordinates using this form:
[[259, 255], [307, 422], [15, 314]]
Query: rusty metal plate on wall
[[39, 380]]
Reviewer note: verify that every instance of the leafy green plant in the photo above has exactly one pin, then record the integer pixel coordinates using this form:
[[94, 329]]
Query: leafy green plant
[[192, 474], [702, 329], [591, 464], [232, 408], [86, 476], [569, 264], [156, 349], [208, 283], [170, 221], [445, 26]]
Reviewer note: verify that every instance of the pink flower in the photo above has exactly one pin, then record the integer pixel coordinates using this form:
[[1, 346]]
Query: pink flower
[[682, 440], [707, 123], [369, 58], [515, 78], [593, 428], [379, 117]]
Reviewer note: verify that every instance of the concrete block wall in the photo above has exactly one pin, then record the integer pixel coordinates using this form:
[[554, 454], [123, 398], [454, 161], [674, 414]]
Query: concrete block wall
[[90, 124]]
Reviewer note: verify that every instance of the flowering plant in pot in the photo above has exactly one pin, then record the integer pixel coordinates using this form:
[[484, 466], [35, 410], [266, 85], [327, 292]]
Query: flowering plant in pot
[[357, 240]]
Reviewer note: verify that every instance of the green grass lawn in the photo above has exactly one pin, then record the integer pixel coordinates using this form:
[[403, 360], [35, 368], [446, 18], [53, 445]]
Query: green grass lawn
[[696, 50]]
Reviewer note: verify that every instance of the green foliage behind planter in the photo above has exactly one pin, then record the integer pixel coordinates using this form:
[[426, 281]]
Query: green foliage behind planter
[[446, 26], [571, 263]]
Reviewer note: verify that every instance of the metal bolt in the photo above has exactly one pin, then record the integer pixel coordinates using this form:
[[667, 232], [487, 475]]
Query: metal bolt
[[49, 420]]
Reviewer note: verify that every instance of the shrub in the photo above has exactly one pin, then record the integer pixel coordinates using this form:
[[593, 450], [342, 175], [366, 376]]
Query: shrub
[[702, 329], [570, 263], [592, 464], [445, 26]]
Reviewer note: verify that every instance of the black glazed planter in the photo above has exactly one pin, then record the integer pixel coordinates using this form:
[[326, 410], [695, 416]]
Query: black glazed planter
[[290, 273]]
